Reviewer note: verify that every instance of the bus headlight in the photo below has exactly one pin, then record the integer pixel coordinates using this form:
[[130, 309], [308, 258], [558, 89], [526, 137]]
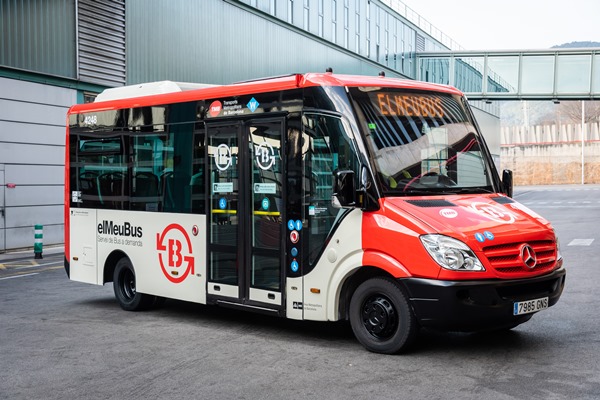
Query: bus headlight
[[559, 257], [450, 253]]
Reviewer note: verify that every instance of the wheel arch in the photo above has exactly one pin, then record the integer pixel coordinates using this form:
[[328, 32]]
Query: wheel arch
[[353, 281], [385, 262], [110, 264]]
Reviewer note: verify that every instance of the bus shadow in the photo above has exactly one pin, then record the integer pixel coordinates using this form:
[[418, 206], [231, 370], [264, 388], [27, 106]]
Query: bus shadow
[[476, 343], [337, 335], [240, 320]]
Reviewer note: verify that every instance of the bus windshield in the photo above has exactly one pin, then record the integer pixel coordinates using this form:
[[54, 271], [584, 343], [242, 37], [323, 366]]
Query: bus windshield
[[422, 142]]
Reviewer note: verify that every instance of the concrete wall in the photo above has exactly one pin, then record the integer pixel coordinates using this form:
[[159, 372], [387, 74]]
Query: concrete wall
[[32, 135], [551, 155]]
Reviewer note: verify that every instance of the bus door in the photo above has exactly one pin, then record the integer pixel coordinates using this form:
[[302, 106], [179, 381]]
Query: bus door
[[246, 213]]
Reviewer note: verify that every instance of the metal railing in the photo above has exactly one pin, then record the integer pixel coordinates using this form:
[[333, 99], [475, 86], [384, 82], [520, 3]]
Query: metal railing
[[414, 17]]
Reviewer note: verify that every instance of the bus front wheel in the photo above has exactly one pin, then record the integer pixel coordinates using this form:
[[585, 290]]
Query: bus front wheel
[[381, 318], [125, 288]]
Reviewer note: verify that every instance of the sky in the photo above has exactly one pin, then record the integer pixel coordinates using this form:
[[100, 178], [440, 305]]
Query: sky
[[512, 24]]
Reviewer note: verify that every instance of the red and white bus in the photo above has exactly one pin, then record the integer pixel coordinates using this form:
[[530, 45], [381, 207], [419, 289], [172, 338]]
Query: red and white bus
[[312, 196]]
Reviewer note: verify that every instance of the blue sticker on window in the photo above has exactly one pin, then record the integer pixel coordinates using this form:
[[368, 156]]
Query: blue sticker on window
[[298, 225], [291, 225], [222, 203], [265, 204], [294, 266], [252, 104]]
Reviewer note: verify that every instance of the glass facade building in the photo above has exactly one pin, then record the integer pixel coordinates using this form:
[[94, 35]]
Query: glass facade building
[[54, 53], [387, 32]]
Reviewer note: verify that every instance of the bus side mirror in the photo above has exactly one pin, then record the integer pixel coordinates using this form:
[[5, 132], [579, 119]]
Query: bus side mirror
[[344, 189], [507, 182]]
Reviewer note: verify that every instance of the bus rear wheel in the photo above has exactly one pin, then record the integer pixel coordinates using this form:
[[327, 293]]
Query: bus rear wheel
[[125, 288], [381, 318]]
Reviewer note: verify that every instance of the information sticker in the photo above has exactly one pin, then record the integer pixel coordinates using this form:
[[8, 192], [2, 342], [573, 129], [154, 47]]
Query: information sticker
[[222, 187], [265, 188]]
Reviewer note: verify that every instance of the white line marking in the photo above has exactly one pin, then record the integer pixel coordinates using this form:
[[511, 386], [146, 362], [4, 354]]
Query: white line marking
[[34, 266], [581, 242], [18, 276]]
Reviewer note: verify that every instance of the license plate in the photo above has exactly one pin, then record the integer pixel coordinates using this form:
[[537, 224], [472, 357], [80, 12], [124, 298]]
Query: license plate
[[530, 306]]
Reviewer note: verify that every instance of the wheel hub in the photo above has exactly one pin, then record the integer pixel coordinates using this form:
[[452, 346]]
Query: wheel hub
[[379, 317], [129, 285]]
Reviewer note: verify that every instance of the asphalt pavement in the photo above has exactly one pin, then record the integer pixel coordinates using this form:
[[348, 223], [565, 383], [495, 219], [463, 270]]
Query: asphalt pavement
[[61, 339], [23, 262]]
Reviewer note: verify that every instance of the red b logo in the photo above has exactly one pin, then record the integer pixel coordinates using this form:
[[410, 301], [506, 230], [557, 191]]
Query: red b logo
[[170, 244]]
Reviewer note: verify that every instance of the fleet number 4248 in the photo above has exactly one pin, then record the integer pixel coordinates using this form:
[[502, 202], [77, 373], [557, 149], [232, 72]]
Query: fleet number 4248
[[90, 120]]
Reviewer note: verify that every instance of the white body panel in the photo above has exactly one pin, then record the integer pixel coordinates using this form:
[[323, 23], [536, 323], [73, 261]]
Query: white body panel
[[343, 255], [158, 249], [83, 263], [169, 260], [294, 298]]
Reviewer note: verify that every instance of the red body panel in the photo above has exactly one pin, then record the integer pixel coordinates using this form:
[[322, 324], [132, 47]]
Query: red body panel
[[495, 232], [67, 206], [262, 86]]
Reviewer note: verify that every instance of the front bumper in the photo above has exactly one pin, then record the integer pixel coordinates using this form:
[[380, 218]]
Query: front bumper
[[478, 305]]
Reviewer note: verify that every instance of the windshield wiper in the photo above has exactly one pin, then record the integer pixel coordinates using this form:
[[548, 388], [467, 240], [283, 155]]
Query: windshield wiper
[[426, 192], [445, 191], [473, 190], [417, 192]]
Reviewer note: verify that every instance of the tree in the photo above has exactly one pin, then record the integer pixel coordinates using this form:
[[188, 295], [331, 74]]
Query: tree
[[570, 111]]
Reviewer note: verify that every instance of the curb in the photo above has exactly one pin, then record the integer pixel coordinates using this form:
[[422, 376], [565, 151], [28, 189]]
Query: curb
[[27, 253]]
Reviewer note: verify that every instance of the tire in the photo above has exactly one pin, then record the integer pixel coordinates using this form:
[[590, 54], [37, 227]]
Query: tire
[[381, 318], [125, 289]]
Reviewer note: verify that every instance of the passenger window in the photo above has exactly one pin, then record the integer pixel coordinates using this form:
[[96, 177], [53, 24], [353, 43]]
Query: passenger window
[[327, 148], [198, 179], [148, 153], [99, 172], [176, 174]]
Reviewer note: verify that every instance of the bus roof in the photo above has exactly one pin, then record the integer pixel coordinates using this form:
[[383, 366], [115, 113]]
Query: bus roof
[[288, 82]]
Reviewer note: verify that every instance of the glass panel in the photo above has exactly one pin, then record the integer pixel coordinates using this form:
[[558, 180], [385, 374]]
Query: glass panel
[[596, 75], [147, 163], [99, 171], [573, 73], [538, 74], [149, 155], [175, 178], [223, 268], [503, 74], [198, 180], [266, 272], [223, 161], [267, 204], [224, 194], [328, 148], [468, 74], [422, 143], [435, 70]]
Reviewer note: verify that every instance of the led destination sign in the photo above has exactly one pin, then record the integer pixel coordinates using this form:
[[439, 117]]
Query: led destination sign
[[406, 104]]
